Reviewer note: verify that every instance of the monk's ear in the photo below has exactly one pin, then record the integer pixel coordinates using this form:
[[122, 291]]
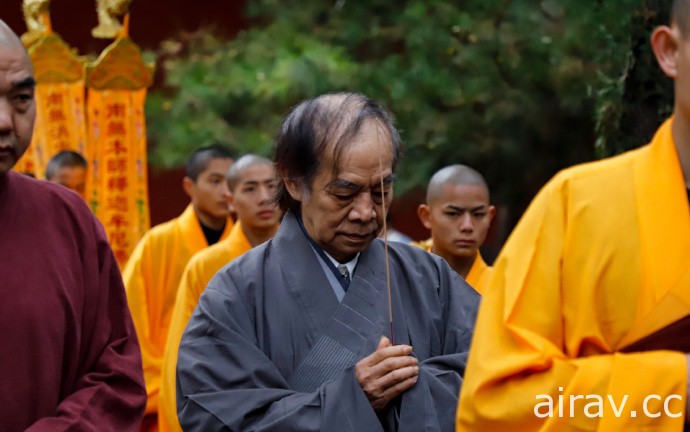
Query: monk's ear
[[188, 186], [665, 44], [424, 214], [229, 198], [294, 188], [492, 213]]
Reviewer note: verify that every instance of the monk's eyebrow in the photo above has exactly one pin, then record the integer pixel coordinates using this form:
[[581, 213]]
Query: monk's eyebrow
[[344, 184], [389, 179], [28, 82], [461, 209]]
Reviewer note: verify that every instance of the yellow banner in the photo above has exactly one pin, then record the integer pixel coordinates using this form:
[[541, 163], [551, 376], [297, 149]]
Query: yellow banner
[[118, 190], [60, 123], [26, 164], [60, 120]]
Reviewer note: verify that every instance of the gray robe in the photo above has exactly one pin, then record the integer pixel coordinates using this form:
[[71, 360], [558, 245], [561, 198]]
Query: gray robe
[[270, 347]]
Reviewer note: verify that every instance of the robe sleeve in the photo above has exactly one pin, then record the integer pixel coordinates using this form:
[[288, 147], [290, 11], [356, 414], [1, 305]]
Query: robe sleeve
[[139, 279], [225, 382], [187, 297], [518, 357], [108, 394], [432, 403]]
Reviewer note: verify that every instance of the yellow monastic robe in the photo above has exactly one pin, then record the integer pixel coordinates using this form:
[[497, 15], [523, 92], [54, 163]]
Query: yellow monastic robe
[[151, 277], [427, 244], [600, 259], [198, 273], [479, 273]]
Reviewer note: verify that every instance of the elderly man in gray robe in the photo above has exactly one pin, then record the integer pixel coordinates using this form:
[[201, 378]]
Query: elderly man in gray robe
[[296, 335]]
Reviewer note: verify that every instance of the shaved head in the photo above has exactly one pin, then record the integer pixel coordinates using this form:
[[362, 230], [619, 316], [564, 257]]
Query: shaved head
[[8, 37], [458, 213], [10, 40], [235, 172], [201, 158], [454, 175]]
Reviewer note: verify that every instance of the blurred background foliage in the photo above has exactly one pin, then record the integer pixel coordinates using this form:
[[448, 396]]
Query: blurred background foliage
[[517, 89]]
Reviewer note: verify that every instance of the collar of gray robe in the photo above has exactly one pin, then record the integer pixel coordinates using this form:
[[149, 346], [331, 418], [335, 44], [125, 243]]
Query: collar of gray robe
[[333, 274], [364, 308], [336, 284]]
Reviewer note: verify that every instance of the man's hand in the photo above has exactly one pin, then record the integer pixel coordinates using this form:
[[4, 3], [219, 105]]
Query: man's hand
[[386, 373]]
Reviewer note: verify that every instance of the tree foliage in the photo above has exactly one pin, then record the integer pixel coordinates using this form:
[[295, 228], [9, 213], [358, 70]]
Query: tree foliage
[[515, 88]]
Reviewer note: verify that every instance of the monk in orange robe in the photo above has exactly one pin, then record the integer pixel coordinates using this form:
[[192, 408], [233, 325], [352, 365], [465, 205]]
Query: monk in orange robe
[[600, 260], [154, 269], [459, 213], [251, 182]]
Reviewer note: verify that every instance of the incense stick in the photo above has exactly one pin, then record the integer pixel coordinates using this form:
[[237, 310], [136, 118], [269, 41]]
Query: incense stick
[[385, 247]]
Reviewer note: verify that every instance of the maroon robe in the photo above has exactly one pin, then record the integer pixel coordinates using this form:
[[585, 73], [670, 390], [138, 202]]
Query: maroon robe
[[69, 356]]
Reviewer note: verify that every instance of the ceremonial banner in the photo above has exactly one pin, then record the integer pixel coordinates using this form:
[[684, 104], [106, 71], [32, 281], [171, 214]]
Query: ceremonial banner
[[59, 74], [60, 123], [117, 187]]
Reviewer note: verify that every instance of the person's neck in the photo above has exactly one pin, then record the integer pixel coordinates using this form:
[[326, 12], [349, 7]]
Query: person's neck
[[209, 221], [256, 236], [461, 265], [681, 138]]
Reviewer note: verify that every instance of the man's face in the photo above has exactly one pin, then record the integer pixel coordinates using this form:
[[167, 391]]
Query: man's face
[[252, 198], [682, 77], [343, 211], [17, 106], [459, 219], [71, 177], [209, 190]]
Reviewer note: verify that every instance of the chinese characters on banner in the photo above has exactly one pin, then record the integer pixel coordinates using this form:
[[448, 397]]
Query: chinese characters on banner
[[117, 179], [113, 136], [60, 121], [118, 192]]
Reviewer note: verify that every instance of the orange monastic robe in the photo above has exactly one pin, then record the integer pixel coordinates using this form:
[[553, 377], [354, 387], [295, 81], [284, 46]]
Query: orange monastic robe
[[479, 273], [600, 259], [198, 273], [151, 277]]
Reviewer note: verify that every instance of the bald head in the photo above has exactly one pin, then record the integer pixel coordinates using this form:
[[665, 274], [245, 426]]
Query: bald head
[[453, 175], [8, 37], [458, 213], [237, 169], [10, 40]]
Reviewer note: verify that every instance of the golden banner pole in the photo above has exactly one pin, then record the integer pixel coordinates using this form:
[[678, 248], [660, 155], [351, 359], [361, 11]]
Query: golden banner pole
[[117, 187], [59, 72]]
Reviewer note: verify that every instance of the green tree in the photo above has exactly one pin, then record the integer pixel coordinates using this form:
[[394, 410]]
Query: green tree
[[515, 88]]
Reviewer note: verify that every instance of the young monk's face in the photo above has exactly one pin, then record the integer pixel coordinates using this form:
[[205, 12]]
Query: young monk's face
[[459, 219], [343, 211], [252, 197], [682, 78], [72, 178], [209, 191], [671, 46]]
